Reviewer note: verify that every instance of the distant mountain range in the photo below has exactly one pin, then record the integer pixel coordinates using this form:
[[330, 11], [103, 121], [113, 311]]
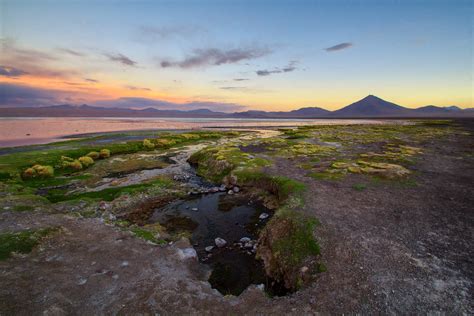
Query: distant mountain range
[[369, 107]]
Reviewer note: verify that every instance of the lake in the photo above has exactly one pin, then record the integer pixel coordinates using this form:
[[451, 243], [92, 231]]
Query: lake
[[29, 131]]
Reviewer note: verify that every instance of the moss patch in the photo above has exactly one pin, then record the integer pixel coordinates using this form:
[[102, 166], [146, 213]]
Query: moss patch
[[22, 242]]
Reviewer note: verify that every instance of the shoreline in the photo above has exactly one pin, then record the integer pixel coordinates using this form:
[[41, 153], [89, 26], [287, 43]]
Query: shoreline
[[38, 131]]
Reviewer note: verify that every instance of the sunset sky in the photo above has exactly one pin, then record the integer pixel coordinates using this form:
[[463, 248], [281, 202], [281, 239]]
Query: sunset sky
[[235, 55]]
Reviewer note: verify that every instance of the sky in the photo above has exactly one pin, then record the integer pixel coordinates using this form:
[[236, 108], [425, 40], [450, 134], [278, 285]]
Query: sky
[[235, 55]]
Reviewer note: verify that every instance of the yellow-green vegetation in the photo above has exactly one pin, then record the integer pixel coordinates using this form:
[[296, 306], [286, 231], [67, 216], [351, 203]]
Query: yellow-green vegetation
[[396, 148], [38, 171], [148, 144], [86, 161], [22, 242], [216, 162], [153, 233], [71, 164], [94, 155], [104, 153], [304, 149], [168, 140]]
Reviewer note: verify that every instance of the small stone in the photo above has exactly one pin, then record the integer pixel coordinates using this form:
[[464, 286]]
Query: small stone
[[124, 264], [220, 242], [245, 239], [263, 216], [236, 189], [209, 248], [230, 192], [194, 209], [261, 287], [214, 189], [82, 281], [187, 253], [222, 188], [248, 245], [304, 269], [103, 205]]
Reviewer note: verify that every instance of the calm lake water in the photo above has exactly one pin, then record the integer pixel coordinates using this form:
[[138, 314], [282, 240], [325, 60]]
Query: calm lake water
[[29, 131]]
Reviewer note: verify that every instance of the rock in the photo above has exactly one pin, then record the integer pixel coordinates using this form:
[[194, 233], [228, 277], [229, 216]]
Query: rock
[[209, 248], [245, 239], [236, 189], [230, 192], [304, 269], [263, 216], [222, 188], [220, 242], [81, 281], [103, 206], [261, 287], [195, 209], [214, 189], [187, 253], [124, 264], [248, 245]]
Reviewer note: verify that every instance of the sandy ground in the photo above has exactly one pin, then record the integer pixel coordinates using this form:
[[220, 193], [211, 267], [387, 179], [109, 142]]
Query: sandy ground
[[23, 131], [389, 249]]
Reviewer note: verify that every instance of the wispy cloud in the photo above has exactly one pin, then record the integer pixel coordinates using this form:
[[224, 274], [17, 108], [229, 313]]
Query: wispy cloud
[[216, 57], [10, 49], [120, 58], [241, 79], [339, 47], [289, 68], [91, 80], [71, 52], [136, 88], [11, 72], [234, 88], [31, 61]]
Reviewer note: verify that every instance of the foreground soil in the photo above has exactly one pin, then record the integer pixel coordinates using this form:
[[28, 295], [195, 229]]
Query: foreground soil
[[389, 247]]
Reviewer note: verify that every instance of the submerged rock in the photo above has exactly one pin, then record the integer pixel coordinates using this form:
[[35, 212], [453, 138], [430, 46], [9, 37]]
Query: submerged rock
[[220, 242], [263, 216], [245, 239]]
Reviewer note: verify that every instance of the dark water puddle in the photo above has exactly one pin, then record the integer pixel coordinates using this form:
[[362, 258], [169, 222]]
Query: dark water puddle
[[230, 217]]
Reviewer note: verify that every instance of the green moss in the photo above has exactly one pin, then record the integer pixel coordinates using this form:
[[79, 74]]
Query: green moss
[[22, 242], [108, 194], [147, 235], [359, 187], [23, 208], [298, 243], [322, 267]]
